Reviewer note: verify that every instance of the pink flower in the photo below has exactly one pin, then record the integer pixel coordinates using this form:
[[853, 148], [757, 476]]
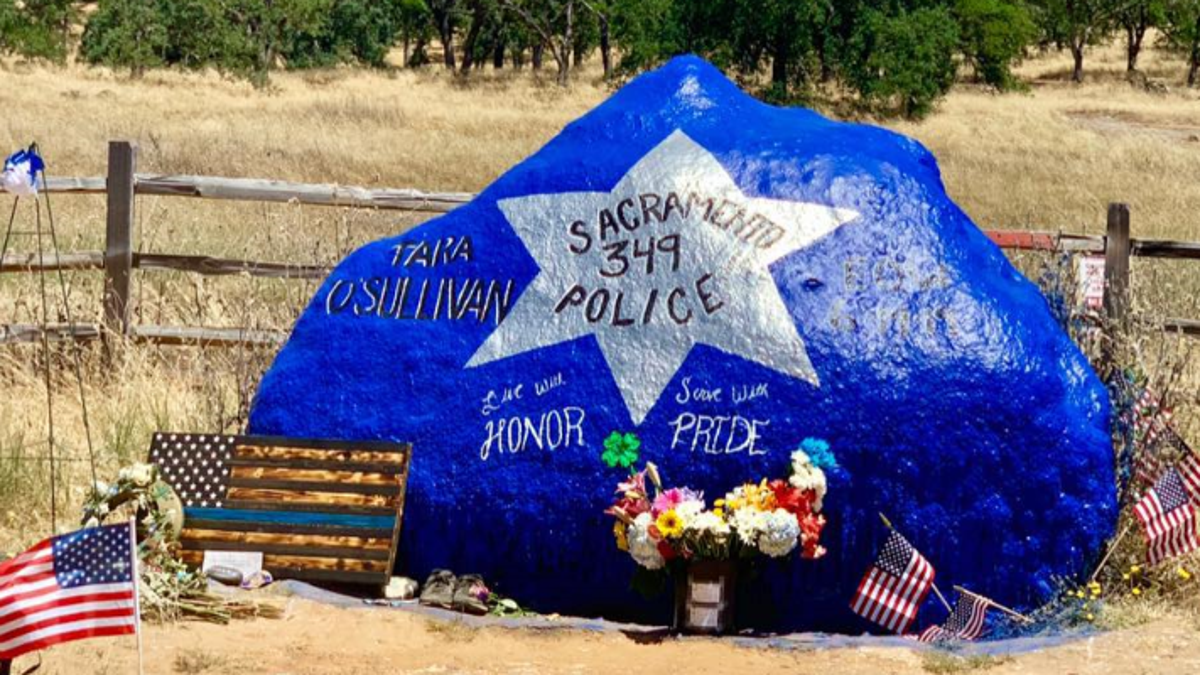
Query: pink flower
[[672, 498], [636, 484]]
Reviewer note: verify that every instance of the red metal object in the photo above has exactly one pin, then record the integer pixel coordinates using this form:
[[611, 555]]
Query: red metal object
[[1025, 241]]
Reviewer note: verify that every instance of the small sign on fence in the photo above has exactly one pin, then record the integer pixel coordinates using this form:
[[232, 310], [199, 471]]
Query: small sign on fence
[[1089, 277]]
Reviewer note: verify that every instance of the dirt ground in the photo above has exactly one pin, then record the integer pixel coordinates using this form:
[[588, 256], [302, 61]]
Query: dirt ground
[[315, 638]]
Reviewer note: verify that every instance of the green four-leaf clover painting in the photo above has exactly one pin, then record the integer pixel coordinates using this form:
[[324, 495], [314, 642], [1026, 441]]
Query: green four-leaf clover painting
[[621, 450]]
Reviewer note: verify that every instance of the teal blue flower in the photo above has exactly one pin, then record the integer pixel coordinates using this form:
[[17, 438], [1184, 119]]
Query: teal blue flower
[[819, 453]]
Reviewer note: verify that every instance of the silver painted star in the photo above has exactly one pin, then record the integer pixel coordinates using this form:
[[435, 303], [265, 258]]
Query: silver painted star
[[675, 255]]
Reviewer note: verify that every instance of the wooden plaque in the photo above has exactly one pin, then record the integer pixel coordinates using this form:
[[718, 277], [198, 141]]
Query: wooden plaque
[[316, 509]]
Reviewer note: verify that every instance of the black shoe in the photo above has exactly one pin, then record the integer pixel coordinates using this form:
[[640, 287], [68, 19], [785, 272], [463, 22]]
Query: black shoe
[[438, 590], [470, 594]]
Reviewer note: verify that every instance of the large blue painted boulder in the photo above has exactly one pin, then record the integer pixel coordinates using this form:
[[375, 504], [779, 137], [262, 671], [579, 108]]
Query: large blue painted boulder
[[725, 278]]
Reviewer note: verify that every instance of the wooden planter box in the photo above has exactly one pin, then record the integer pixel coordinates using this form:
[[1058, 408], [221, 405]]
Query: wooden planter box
[[705, 597]]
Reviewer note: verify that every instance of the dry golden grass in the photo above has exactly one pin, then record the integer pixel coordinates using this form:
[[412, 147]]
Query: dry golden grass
[[1051, 158]]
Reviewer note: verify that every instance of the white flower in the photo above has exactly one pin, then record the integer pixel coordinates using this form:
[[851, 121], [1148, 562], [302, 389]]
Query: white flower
[[781, 535], [141, 474], [805, 476], [749, 523], [642, 546], [708, 522], [101, 487], [689, 510], [92, 522]]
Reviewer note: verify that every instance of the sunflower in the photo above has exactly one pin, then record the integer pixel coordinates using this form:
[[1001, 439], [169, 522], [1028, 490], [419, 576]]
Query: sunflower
[[669, 524], [621, 532]]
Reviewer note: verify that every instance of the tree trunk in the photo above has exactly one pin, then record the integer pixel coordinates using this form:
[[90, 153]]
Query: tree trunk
[[406, 52], [1077, 55], [1193, 66], [605, 46], [779, 64], [498, 54], [1133, 46], [564, 51], [518, 57], [577, 57], [469, 43], [418, 56], [445, 28], [538, 51]]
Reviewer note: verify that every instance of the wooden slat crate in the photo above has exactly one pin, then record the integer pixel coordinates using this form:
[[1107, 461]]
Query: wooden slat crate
[[317, 510]]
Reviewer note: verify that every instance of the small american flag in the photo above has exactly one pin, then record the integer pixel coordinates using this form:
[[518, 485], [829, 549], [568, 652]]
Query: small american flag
[[1151, 422], [69, 587], [894, 588], [1168, 519], [1189, 472], [965, 622]]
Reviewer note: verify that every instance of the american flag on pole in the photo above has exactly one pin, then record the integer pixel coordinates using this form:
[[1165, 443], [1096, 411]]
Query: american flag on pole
[[965, 622], [892, 591], [1151, 422], [1189, 472], [69, 587], [1168, 518]]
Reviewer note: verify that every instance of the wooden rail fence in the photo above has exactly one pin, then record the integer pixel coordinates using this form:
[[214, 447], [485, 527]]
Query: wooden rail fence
[[124, 184]]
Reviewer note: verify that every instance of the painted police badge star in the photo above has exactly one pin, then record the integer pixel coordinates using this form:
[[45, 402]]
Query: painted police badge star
[[675, 255]]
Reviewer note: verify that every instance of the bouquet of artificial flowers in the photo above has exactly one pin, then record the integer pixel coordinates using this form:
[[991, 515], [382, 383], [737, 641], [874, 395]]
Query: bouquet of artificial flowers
[[771, 518]]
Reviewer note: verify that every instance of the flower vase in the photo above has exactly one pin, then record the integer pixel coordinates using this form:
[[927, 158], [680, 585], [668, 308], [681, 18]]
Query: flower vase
[[705, 597]]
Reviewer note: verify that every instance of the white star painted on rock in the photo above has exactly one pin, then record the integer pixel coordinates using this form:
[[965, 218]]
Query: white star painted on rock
[[675, 255]]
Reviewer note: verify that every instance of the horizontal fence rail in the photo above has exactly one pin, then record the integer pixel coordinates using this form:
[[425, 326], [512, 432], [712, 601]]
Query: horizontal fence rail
[[123, 185], [258, 190]]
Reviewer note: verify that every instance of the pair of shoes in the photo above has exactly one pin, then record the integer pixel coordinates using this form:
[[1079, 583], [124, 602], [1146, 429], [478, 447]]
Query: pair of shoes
[[466, 594]]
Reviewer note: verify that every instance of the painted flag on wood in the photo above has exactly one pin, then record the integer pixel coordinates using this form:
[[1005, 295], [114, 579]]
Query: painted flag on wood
[[1168, 518], [965, 622], [69, 587], [892, 591], [316, 510]]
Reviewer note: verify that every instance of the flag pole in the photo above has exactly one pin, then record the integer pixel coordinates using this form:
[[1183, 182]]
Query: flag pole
[[137, 601], [1007, 610], [1107, 554], [937, 591]]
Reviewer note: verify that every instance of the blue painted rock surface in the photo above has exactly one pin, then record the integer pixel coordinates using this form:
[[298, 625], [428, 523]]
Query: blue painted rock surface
[[725, 278]]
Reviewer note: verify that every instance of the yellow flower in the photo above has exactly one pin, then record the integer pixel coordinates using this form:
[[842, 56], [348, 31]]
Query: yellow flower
[[1091, 617], [1184, 574], [1135, 569], [1126, 576], [720, 513], [622, 535], [670, 525], [1137, 591], [1079, 593]]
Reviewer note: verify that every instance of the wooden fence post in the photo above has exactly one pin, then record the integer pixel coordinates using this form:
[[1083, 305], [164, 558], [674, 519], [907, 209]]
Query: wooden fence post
[[1117, 250], [118, 249]]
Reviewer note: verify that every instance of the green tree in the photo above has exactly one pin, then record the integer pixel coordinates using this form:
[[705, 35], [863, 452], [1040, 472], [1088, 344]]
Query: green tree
[[904, 61], [353, 31], [993, 35], [126, 34], [1181, 32], [1135, 17], [1076, 25], [552, 22], [779, 33], [37, 28], [415, 27]]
